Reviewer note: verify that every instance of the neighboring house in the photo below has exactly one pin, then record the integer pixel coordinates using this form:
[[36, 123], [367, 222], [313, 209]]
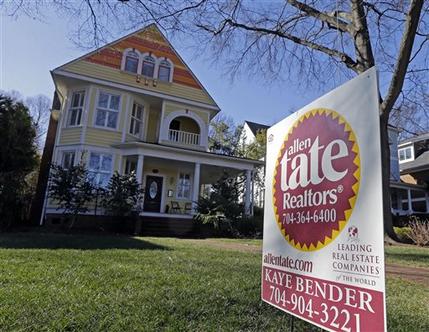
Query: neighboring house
[[409, 174], [250, 130], [134, 105]]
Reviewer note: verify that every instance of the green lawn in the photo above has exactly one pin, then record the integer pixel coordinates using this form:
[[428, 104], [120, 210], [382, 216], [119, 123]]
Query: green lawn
[[106, 283], [407, 255]]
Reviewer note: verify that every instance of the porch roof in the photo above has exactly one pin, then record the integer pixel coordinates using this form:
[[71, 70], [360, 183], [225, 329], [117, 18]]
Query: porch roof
[[184, 154]]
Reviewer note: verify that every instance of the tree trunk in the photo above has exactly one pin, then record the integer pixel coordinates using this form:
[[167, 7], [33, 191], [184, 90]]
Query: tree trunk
[[385, 166]]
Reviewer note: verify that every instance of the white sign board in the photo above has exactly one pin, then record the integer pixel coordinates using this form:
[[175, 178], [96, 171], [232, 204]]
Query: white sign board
[[323, 251]]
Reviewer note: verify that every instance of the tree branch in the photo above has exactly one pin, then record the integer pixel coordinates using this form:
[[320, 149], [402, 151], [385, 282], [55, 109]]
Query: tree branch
[[404, 55], [347, 60], [332, 21]]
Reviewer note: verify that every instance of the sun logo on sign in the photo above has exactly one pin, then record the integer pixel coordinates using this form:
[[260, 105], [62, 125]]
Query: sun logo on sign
[[316, 179]]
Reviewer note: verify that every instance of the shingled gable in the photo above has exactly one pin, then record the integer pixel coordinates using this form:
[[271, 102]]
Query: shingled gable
[[146, 40]]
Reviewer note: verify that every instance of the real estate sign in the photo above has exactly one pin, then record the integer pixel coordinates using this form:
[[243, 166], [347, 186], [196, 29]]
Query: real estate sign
[[323, 254]]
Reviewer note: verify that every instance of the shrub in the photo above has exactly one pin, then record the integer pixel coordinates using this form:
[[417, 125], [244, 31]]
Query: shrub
[[71, 189], [122, 195], [419, 231], [403, 234]]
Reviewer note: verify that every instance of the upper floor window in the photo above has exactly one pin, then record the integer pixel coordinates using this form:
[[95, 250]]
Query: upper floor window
[[148, 67], [76, 107], [406, 154], [68, 159], [100, 168], [107, 110], [184, 185], [131, 61], [136, 122], [164, 71]]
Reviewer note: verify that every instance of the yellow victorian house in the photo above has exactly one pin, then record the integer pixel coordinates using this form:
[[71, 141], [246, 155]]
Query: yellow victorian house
[[134, 105]]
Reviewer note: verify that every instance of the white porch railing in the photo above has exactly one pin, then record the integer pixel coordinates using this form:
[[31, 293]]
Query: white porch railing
[[183, 137]]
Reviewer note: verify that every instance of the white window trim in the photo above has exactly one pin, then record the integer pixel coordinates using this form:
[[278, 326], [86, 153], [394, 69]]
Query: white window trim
[[155, 69], [69, 107], [94, 120], [158, 63], [406, 159], [124, 57], [142, 128], [191, 184]]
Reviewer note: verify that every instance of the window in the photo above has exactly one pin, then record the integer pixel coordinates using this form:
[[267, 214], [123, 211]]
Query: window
[[130, 166], [406, 154], [184, 186], [100, 168], [164, 71], [76, 106], [107, 110], [148, 67], [136, 123], [68, 159], [131, 62]]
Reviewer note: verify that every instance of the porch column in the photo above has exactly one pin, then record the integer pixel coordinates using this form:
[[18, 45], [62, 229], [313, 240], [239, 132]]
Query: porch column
[[247, 192], [196, 186], [139, 173], [121, 165], [410, 207]]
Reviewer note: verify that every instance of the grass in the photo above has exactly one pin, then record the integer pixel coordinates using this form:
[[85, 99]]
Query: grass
[[407, 255], [87, 283]]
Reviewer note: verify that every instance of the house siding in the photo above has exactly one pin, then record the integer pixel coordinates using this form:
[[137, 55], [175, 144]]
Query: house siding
[[102, 137], [115, 75], [70, 136]]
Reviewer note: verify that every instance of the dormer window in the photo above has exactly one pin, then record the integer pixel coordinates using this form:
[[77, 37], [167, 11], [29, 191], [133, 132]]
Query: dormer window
[[406, 154], [148, 67], [164, 71], [131, 61]]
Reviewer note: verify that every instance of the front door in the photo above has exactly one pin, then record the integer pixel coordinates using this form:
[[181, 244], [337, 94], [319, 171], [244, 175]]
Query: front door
[[153, 194]]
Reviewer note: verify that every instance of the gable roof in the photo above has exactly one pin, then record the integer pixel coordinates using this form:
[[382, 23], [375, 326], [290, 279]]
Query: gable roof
[[255, 127], [414, 139], [419, 164], [151, 40]]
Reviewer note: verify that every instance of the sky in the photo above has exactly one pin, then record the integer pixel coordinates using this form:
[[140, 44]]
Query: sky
[[30, 48]]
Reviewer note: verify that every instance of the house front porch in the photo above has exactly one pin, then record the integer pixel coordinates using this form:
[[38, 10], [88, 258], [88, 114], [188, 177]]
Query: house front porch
[[174, 178]]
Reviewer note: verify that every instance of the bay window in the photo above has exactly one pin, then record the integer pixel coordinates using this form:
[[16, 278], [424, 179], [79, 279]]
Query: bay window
[[100, 168], [68, 159], [107, 110], [75, 110]]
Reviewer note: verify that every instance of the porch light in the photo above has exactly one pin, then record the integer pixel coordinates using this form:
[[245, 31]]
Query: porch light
[[146, 81], [138, 78], [155, 82]]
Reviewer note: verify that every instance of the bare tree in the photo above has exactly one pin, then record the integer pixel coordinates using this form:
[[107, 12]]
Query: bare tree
[[40, 110], [310, 42]]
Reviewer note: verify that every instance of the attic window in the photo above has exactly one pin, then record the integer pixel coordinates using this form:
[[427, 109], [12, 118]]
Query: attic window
[[164, 71], [406, 154], [131, 61], [148, 67]]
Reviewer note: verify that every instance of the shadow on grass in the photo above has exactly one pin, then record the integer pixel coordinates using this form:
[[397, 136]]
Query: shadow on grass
[[74, 241]]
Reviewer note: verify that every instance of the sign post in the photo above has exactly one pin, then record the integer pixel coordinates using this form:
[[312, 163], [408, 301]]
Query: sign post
[[323, 250]]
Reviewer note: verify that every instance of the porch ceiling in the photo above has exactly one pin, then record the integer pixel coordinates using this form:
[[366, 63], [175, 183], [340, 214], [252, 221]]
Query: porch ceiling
[[186, 155]]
